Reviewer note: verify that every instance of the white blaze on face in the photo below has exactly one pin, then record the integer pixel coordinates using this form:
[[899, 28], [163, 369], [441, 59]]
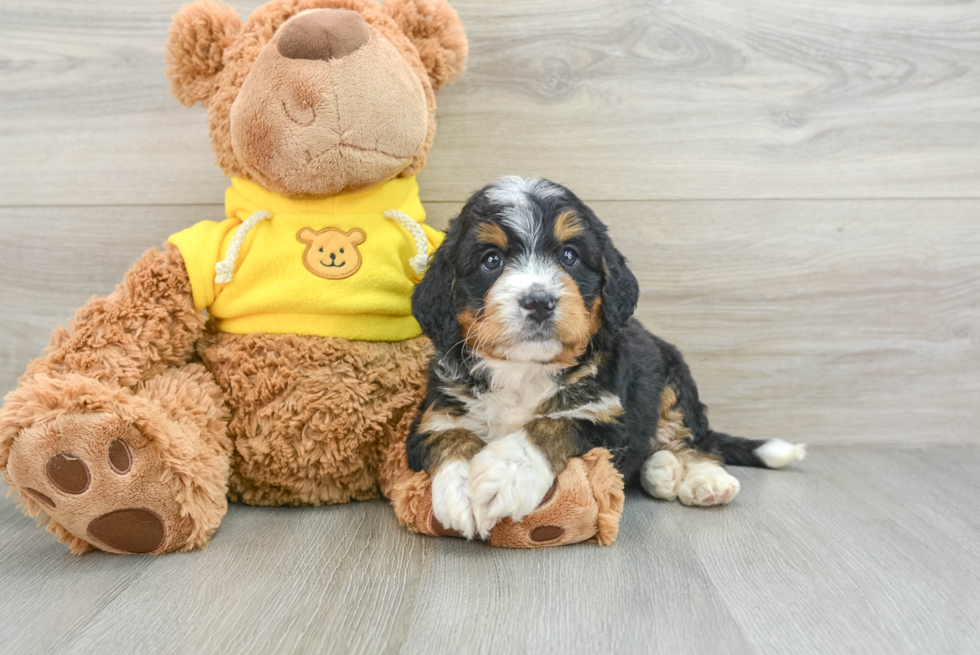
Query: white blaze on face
[[514, 195], [526, 275]]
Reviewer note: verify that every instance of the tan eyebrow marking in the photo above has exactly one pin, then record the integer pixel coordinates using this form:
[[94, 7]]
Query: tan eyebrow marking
[[568, 225], [493, 234]]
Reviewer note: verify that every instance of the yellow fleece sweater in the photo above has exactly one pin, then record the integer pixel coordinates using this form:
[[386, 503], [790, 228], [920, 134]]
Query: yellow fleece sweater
[[334, 267]]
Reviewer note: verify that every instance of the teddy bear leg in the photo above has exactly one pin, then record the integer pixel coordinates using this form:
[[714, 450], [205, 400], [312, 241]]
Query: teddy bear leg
[[585, 503], [143, 471]]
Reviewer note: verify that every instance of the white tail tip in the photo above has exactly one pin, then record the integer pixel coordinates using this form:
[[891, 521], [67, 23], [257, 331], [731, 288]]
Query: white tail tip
[[776, 453]]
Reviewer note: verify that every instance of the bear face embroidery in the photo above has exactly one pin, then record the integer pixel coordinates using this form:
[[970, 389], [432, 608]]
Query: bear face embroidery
[[331, 253]]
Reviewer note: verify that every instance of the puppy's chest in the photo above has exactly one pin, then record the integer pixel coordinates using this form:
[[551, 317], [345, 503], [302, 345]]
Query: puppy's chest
[[511, 401]]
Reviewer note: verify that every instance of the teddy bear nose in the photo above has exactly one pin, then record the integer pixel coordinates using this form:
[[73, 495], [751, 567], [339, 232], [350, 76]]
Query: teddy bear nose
[[323, 34]]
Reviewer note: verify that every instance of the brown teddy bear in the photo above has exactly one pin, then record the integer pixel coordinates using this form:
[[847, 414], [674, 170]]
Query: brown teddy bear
[[299, 383]]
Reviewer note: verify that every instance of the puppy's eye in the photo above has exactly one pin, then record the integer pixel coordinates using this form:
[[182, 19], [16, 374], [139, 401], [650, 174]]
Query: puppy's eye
[[569, 257], [341, 251], [321, 249], [492, 261]]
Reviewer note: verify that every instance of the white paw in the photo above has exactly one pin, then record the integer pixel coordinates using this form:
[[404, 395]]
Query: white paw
[[707, 483], [661, 475], [508, 478], [451, 498]]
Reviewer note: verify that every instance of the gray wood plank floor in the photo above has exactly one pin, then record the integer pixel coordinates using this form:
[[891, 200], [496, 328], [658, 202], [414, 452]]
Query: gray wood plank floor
[[857, 550]]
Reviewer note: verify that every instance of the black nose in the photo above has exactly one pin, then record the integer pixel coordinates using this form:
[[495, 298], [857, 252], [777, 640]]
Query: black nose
[[540, 307], [333, 256]]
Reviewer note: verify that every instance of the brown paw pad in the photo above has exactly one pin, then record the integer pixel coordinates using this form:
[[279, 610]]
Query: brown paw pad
[[129, 530], [546, 533], [120, 459], [68, 473]]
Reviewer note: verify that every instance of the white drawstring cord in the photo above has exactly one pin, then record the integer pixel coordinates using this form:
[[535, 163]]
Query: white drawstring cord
[[421, 260], [225, 268]]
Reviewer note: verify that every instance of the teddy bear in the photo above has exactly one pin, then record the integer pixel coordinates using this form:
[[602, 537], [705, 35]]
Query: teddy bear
[[270, 358]]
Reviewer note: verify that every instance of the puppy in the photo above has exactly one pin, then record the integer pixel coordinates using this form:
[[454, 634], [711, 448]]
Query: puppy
[[538, 359]]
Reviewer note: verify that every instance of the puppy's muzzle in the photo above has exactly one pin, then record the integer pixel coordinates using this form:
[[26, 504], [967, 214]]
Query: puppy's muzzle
[[538, 308]]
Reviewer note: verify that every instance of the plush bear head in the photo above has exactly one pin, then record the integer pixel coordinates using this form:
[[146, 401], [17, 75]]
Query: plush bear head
[[310, 98], [331, 253]]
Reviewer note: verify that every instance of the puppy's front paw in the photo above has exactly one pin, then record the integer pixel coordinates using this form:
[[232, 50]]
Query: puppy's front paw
[[508, 478], [451, 498]]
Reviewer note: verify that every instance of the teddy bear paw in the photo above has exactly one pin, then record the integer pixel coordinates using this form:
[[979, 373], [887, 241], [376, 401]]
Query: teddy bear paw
[[95, 476]]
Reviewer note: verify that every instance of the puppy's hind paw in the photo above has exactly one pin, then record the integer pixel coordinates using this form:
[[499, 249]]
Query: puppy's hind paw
[[662, 474], [707, 484]]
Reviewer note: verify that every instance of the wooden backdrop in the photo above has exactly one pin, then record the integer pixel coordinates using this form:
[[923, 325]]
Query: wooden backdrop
[[796, 183]]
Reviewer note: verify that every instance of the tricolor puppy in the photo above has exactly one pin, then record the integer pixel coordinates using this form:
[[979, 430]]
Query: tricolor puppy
[[538, 359]]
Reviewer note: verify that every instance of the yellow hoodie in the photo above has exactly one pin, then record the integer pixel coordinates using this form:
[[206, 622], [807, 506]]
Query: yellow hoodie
[[335, 267]]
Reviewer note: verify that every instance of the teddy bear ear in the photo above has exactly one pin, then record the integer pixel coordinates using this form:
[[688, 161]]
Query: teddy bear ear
[[199, 34], [438, 35]]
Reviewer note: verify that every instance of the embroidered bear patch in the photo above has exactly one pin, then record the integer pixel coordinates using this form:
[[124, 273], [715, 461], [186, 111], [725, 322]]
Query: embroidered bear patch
[[331, 253]]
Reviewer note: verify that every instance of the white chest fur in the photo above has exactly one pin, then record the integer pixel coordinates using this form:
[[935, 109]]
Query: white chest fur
[[516, 390]]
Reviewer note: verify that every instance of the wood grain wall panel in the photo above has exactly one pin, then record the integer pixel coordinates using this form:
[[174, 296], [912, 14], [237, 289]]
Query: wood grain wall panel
[[624, 99]]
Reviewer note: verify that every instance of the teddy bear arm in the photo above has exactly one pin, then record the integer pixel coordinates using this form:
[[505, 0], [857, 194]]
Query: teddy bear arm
[[147, 325]]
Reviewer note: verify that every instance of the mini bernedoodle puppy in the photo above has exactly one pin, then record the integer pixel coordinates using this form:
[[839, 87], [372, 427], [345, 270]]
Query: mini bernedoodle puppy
[[538, 359]]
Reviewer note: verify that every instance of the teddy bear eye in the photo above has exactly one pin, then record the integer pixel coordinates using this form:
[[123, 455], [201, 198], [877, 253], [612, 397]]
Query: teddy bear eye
[[341, 251], [321, 249]]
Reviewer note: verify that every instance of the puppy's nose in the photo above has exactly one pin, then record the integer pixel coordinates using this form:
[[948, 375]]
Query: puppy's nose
[[333, 256], [323, 34], [538, 308]]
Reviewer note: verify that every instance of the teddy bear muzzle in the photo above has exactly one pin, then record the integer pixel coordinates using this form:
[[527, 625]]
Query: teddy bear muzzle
[[329, 105]]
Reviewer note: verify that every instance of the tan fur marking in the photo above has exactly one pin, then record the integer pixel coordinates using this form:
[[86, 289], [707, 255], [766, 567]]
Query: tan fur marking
[[586, 370], [568, 226], [554, 438], [482, 332], [451, 445], [492, 234], [577, 324], [609, 414], [672, 434]]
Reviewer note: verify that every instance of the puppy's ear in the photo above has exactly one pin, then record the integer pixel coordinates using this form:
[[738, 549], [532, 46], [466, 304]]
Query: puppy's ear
[[620, 290], [432, 300], [199, 34], [437, 33]]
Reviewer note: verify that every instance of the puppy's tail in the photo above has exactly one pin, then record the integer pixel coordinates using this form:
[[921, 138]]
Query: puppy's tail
[[763, 453]]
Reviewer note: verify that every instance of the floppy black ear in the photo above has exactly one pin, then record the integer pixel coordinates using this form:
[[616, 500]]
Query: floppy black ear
[[432, 299], [620, 290]]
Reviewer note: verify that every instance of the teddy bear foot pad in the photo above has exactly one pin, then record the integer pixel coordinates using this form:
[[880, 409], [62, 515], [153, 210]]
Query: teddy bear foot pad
[[87, 473]]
